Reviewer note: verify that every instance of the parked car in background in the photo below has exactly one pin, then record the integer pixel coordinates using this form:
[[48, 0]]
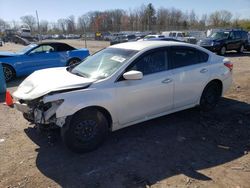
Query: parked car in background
[[1, 42], [120, 86], [148, 37], [162, 39], [39, 56], [123, 38], [224, 40], [179, 35], [248, 43]]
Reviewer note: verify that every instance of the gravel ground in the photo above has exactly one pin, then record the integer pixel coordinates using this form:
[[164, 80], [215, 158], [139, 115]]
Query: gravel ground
[[185, 149]]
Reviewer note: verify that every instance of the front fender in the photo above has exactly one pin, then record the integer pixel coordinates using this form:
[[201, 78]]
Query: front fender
[[81, 53], [80, 99]]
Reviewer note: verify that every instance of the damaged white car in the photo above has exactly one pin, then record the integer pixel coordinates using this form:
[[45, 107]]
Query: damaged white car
[[122, 85]]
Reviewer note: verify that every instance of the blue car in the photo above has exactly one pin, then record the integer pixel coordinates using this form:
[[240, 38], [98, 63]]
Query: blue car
[[40, 56]]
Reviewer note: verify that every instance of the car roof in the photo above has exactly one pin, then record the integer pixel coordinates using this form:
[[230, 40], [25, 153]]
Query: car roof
[[141, 45], [51, 43]]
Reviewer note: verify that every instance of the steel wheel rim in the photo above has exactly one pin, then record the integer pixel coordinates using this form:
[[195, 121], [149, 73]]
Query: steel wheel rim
[[8, 74], [85, 130]]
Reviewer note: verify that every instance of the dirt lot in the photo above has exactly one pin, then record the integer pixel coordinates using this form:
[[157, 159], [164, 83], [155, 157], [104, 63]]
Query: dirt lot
[[185, 149]]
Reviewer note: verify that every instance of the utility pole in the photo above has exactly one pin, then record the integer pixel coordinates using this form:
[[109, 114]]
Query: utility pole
[[38, 26]]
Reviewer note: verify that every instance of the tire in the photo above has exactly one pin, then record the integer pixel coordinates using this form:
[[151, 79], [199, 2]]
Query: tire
[[73, 61], [85, 131], [9, 73], [28, 117], [210, 96], [241, 49], [223, 50]]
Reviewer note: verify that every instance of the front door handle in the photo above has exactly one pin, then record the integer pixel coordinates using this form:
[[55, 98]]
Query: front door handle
[[166, 81], [203, 70]]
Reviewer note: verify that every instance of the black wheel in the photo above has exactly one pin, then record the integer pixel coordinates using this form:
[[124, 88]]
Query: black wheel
[[9, 73], [210, 96], [241, 49], [28, 117], [73, 61], [223, 50], [86, 131]]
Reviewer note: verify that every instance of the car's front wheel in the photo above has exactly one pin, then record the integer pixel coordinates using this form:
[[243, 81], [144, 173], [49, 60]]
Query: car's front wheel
[[86, 131], [210, 96], [9, 73]]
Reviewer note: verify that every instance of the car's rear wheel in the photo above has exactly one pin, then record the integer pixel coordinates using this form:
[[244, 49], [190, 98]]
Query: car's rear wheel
[[223, 50], [86, 131], [73, 61], [9, 73], [241, 49], [210, 96]]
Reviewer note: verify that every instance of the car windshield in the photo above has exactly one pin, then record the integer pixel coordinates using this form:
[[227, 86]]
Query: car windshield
[[219, 35], [27, 48], [104, 63]]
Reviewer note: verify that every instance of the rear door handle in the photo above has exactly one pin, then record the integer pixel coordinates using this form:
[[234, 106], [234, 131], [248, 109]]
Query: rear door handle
[[203, 70], [166, 81]]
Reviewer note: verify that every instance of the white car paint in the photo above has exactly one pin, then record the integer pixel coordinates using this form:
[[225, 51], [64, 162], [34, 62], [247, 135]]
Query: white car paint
[[44, 81], [129, 101]]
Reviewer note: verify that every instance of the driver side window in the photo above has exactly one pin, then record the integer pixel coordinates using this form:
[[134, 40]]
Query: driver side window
[[151, 63], [43, 49]]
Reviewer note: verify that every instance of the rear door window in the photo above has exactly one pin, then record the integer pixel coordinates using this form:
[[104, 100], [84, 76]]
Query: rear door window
[[185, 56]]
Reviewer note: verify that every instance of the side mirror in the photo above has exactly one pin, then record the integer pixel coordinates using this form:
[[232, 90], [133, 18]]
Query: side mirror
[[133, 75]]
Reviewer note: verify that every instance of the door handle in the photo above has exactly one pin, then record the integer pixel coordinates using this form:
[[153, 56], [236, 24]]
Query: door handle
[[166, 81], [203, 70]]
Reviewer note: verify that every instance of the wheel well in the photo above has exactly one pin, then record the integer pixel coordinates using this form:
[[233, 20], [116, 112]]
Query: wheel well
[[104, 111], [217, 82], [10, 67]]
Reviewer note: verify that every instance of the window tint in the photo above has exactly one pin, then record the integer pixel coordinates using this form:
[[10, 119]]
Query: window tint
[[181, 56], [151, 63], [63, 47], [179, 35], [203, 57]]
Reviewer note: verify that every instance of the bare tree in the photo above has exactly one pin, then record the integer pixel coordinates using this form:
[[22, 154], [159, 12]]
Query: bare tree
[[30, 21], [70, 21], [44, 26], [220, 18], [3, 25], [62, 24]]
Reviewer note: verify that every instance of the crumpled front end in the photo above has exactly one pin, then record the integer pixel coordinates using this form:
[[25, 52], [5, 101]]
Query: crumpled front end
[[38, 112]]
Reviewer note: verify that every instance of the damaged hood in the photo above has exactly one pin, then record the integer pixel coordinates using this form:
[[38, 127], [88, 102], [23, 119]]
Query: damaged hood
[[45, 81]]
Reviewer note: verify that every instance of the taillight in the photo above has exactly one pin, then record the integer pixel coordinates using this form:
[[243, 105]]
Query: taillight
[[228, 64]]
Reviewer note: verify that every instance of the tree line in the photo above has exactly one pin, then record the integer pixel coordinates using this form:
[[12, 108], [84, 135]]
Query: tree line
[[143, 18]]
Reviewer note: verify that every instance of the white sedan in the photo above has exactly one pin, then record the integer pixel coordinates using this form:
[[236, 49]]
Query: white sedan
[[120, 86]]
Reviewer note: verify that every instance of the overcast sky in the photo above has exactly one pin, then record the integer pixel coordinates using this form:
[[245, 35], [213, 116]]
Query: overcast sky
[[52, 10]]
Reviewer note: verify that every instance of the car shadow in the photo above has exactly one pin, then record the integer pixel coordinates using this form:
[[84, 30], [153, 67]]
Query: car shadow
[[180, 143]]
